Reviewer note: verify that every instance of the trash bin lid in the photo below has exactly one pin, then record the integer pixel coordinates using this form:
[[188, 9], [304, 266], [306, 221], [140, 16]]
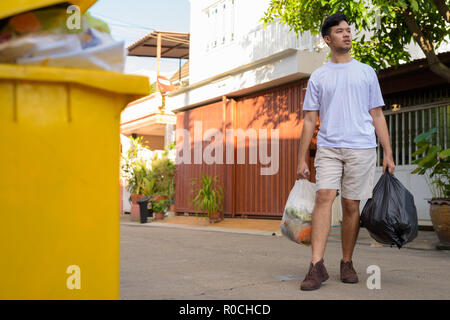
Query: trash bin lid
[[143, 200], [11, 8], [129, 84]]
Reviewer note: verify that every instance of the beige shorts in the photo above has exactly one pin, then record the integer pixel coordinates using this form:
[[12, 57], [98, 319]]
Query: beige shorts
[[350, 170]]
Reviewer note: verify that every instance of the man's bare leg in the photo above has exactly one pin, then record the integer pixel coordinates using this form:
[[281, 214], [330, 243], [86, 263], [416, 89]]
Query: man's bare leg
[[350, 227], [321, 222]]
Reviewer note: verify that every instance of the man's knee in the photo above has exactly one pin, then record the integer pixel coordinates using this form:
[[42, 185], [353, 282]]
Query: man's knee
[[325, 196], [350, 206]]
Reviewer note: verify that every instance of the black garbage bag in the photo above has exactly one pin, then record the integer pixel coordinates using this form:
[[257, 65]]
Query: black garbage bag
[[390, 215]]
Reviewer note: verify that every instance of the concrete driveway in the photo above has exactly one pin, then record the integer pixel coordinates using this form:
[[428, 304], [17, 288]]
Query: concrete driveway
[[173, 263]]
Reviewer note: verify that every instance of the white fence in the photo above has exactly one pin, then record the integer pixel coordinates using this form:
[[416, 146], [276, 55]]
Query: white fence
[[263, 42], [404, 125]]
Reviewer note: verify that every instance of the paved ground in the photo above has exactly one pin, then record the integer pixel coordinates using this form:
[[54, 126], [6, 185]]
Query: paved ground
[[179, 263], [425, 240]]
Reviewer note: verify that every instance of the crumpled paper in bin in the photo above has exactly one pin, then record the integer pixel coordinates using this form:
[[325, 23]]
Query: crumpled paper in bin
[[42, 37]]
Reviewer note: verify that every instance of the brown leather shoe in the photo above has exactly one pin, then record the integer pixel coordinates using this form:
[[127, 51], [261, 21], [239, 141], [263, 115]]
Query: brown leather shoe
[[316, 275], [348, 274]]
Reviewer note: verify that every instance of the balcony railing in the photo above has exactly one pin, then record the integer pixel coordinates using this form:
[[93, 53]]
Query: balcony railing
[[263, 42]]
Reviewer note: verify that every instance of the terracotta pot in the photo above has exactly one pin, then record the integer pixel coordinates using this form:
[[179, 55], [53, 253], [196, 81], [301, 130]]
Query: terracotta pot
[[172, 207], [135, 212], [215, 216], [440, 217], [158, 215], [136, 197], [159, 197], [203, 221]]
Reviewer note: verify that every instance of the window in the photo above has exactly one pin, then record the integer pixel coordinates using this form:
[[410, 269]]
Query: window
[[220, 20]]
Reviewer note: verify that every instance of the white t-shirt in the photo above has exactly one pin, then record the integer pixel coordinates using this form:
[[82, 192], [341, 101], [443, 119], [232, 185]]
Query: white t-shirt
[[344, 93]]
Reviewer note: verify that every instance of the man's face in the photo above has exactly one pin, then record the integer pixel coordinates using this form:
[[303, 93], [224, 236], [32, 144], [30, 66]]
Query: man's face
[[340, 37]]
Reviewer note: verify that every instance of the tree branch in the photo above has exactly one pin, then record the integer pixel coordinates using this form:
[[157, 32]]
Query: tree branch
[[427, 47], [443, 9]]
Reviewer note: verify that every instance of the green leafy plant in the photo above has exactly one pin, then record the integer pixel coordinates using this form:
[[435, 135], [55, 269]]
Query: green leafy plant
[[163, 173], [134, 169], [160, 205], [171, 146], [391, 24], [207, 194], [149, 186], [139, 183], [434, 165]]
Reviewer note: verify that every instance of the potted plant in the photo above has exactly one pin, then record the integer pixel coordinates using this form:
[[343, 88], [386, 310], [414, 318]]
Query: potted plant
[[163, 172], [159, 207], [434, 166], [139, 184], [148, 189], [133, 171], [207, 197]]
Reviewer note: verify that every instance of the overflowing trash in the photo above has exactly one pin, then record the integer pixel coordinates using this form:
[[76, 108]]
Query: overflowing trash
[[297, 216], [390, 215], [55, 37]]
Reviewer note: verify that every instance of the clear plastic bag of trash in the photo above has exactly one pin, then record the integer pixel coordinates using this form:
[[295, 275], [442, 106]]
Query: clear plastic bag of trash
[[44, 37], [297, 215], [105, 56], [390, 215]]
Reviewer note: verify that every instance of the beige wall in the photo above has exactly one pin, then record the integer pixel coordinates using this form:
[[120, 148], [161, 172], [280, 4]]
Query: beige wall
[[154, 142]]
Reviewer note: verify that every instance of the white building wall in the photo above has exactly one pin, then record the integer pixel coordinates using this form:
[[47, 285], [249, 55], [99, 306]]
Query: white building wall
[[231, 51], [234, 36], [287, 65]]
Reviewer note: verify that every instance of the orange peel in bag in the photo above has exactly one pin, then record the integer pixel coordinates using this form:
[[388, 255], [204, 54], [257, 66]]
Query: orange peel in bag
[[27, 22]]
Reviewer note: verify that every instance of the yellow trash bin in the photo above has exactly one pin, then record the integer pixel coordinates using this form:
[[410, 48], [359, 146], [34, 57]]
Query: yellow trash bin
[[59, 180], [10, 8]]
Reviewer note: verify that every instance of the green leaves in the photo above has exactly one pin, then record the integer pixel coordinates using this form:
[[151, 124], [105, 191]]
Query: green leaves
[[414, 5], [430, 157], [207, 194], [435, 162], [141, 173], [390, 34], [444, 154], [148, 186], [163, 173], [420, 151], [160, 205], [419, 171], [402, 4], [143, 178], [425, 135]]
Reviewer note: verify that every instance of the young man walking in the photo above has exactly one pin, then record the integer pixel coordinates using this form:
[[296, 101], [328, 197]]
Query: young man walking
[[347, 95]]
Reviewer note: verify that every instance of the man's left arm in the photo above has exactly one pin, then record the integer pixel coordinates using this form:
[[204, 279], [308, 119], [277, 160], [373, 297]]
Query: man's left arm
[[381, 129]]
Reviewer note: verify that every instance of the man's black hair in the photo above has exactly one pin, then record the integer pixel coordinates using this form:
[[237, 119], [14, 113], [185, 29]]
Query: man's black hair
[[332, 21]]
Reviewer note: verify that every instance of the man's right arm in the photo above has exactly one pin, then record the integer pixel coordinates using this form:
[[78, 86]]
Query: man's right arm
[[309, 124]]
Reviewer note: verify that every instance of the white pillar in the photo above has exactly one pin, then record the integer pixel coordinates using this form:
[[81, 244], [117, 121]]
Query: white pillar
[[169, 135]]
